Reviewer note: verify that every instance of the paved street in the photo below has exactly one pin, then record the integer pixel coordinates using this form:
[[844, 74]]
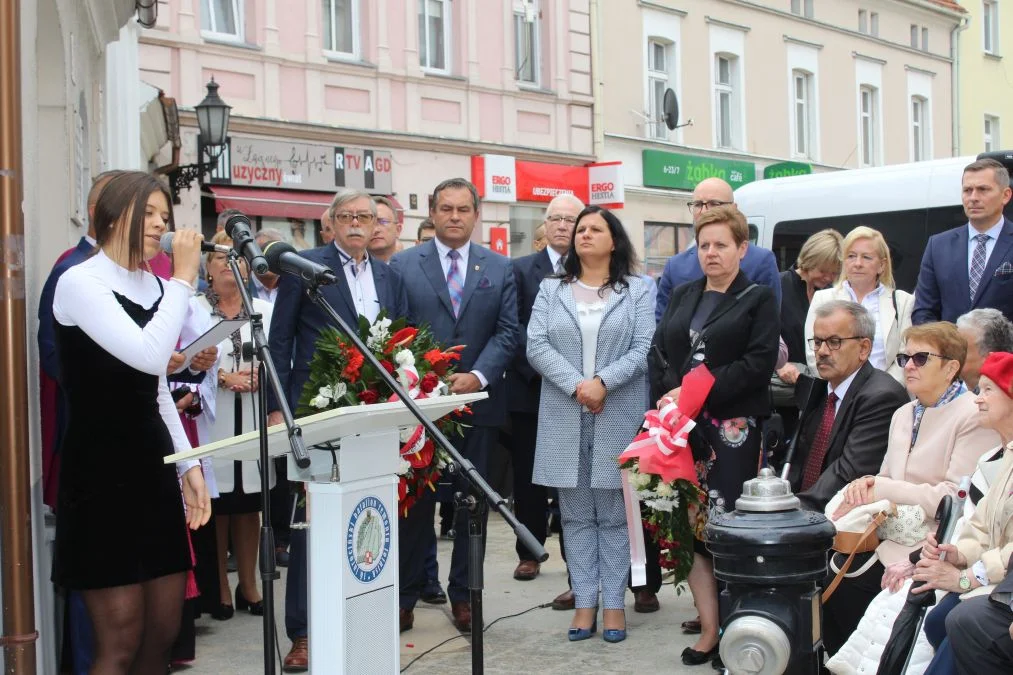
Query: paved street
[[534, 642]]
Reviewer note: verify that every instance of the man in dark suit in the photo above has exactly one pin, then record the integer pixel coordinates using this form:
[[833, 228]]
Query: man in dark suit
[[980, 630], [970, 266], [467, 294], [364, 287], [845, 415], [524, 384]]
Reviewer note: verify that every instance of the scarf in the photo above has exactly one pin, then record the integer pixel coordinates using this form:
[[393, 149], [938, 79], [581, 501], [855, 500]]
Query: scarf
[[952, 392], [237, 340]]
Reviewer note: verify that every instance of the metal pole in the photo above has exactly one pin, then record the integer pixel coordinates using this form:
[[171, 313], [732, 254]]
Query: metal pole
[[19, 634]]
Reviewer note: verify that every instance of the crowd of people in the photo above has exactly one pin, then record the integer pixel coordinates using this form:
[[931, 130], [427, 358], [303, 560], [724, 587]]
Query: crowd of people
[[869, 392]]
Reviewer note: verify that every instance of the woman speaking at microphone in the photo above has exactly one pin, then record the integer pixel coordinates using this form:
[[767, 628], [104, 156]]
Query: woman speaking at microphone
[[121, 534]]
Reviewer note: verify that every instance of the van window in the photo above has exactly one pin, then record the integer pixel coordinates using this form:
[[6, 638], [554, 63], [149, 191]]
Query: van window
[[906, 234]]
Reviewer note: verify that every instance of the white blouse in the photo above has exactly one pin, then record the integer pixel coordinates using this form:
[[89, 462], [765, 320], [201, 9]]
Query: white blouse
[[590, 310]]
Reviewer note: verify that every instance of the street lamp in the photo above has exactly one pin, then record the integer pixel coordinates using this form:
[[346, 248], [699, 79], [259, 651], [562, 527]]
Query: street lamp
[[213, 123]]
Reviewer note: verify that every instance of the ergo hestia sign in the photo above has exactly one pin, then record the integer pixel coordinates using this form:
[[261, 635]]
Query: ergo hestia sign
[[684, 172]]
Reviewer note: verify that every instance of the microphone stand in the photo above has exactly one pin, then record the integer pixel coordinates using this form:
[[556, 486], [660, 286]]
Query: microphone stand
[[267, 373], [475, 506]]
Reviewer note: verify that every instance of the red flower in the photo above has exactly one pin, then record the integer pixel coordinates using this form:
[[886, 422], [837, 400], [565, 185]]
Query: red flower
[[369, 396], [422, 458], [429, 382], [402, 338], [388, 366], [402, 489], [355, 361]]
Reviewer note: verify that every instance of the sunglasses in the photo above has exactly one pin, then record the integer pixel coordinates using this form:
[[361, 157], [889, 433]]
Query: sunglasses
[[919, 358]]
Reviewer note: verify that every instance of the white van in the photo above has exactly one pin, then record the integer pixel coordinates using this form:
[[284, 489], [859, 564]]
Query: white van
[[906, 202]]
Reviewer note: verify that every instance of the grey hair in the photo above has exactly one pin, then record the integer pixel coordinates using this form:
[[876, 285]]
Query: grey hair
[[225, 215], [566, 197], [269, 234], [993, 330], [345, 195], [865, 325]]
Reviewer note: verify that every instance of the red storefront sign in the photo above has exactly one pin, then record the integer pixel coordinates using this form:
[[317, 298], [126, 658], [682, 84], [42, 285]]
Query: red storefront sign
[[500, 178], [499, 240]]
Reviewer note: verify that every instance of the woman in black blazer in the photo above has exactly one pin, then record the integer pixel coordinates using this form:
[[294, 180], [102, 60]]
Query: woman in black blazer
[[732, 325]]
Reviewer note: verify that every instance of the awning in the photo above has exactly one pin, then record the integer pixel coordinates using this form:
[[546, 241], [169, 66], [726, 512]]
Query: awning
[[297, 204], [154, 132]]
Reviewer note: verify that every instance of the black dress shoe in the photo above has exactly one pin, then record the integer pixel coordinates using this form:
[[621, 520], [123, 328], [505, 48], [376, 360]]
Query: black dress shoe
[[281, 556], [255, 608], [692, 657], [222, 612], [434, 595]]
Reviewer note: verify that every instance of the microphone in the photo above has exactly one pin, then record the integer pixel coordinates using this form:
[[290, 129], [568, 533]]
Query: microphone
[[206, 246], [238, 229], [283, 259]]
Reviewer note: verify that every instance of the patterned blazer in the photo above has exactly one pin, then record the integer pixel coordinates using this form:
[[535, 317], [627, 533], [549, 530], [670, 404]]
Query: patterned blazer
[[555, 351]]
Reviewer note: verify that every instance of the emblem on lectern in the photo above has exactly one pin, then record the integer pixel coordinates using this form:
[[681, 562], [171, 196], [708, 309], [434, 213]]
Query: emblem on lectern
[[367, 540]]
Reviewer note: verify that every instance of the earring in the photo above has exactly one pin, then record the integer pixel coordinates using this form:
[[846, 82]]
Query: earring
[[210, 279]]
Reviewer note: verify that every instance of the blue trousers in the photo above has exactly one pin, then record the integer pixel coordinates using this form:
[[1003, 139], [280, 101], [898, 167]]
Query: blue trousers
[[943, 662], [296, 601], [475, 446]]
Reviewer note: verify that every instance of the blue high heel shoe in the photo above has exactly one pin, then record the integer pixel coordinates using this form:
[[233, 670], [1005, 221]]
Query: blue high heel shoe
[[615, 634], [577, 634]]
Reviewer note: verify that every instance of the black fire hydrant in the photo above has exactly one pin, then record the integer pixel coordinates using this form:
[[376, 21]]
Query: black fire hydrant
[[772, 556]]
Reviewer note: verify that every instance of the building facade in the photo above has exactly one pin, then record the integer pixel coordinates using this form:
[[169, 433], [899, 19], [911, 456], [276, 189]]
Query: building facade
[[986, 86], [767, 88], [391, 96]]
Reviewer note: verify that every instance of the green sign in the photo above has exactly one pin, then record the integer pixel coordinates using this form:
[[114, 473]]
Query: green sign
[[787, 169], [683, 172]]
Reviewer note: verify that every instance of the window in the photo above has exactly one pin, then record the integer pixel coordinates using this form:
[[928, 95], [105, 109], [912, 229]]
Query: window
[[726, 104], [802, 8], [661, 242], [869, 111], [434, 31], [914, 36], [659, 65], [919, 129], [990, 26], [526, 39], [925, 39], [874, 24], [223, 18], [802, 113], [991, 133], [341, 26], [863, 21]]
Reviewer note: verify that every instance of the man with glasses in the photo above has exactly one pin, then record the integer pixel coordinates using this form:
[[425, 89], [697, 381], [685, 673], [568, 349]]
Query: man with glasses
[[387, 233], [758, 264], [365, 285], [845, 415]]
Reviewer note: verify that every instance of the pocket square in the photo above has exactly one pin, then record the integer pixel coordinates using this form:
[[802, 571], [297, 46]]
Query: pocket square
[[1004, 271], [485, 283]]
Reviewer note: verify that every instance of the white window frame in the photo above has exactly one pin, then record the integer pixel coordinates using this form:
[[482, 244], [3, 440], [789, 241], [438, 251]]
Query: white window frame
[[521, 7], [874, 24], [808, 9], [868, 125], [731, 90], [990, 26], [992, 131], [424, 36], [237, 8], [914, 36], [354, 12], [803, 114], [925, 39], [796, 7], [921, 129], [658, 78], [863, 22]]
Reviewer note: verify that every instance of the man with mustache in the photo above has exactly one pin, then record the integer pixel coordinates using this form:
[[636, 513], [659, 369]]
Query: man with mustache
[[846, 414]]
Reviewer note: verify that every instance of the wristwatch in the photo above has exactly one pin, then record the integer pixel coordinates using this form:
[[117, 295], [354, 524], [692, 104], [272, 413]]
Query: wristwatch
[[965, 581]]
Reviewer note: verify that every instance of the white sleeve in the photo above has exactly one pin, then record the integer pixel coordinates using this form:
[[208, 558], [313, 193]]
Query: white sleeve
[[94, 309], [171, 418]]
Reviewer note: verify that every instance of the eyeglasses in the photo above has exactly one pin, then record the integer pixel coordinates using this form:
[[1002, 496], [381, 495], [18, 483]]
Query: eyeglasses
[[919, 358], [697, 206], [834, 343], [346, 217], [384, 221], [556, 219]]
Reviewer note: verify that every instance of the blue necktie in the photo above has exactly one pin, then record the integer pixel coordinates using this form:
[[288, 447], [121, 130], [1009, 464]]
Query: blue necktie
[[977, 263], [455, 281]]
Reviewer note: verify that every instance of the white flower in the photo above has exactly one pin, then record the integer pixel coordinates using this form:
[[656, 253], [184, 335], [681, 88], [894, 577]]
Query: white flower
[[643, 480], [405, 434], [326, 392], [340, 389], [665, 505], [378, 333], [405, 358], [664, 489], [404, 468], [320, 402]]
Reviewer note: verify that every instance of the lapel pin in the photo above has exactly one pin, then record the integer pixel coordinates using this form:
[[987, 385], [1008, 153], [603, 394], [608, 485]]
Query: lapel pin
[[476, 268]]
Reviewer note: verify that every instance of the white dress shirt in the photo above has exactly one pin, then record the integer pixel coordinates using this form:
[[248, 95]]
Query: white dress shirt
[[871, 303], [462, 265], [263, 292], [361, 284], [842, 390], [554, 257], [993, 236]]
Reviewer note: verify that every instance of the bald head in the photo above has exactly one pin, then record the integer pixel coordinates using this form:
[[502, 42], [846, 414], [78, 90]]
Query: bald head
[[560, 217], [709, 193]]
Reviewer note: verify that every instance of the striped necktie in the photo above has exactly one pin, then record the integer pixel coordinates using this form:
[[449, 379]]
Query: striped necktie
[[455, 281]]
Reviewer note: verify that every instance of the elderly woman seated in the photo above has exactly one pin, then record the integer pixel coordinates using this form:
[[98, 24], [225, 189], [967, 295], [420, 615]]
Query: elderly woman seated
[[934, 441]]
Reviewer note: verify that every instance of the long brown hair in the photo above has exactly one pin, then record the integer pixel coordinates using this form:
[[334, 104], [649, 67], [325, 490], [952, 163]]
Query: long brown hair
[[127, 193]]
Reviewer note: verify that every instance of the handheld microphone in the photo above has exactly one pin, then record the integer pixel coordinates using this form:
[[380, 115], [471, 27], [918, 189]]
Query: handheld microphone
[[206, 246], [238, 229], [282, 258]]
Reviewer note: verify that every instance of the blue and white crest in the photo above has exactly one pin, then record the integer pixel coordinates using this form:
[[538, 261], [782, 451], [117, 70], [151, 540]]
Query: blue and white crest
[[367, 540]]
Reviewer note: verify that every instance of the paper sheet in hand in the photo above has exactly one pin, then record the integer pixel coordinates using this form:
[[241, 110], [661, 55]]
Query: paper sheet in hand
[[216, 334]]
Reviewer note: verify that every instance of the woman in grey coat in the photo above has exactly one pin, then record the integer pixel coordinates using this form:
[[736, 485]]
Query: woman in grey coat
[[588, 337]]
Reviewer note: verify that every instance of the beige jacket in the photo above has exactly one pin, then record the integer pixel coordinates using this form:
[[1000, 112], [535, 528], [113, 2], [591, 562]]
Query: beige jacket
[[950, 441], [894, 323], [988, 535]]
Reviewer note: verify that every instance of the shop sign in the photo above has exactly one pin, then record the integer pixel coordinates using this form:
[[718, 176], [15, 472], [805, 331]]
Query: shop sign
[[784, 169], [683, 172], [541, 182], [499, 240], [500, 179], [606, 183], [302, 166]]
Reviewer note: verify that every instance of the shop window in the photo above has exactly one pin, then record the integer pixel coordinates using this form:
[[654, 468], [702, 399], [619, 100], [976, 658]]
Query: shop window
[[222, 19], [527, 34], [524, 220], [434, 35], [661, 242], [341, 27]]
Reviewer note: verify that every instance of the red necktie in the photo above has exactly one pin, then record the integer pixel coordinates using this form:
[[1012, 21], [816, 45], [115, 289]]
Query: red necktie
[[818, 451]]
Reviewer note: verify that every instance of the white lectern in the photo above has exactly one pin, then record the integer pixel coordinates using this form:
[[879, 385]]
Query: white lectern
[[352, 514]]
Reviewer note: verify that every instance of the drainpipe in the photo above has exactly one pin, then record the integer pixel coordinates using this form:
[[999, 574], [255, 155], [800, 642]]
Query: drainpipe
[[955, 83], [18, 634], [597, 124]]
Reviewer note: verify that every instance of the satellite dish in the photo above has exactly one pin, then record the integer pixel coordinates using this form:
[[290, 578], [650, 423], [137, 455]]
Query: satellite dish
[[670, 106]]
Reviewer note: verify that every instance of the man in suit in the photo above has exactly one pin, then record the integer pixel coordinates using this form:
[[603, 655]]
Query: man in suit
[[758, 264], [970, 266], [468, 296], [980, 630], [846, 415], [364, 287], [524, 384]]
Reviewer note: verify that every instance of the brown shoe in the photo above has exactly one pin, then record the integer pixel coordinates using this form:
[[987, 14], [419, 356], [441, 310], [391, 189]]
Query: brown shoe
[[526, 570], [298, 658], [563, 601], [646, 602], [406, 618], [462, 615], [692, 627]]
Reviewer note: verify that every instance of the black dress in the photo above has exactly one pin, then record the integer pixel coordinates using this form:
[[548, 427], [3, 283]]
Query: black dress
[[121, 518]]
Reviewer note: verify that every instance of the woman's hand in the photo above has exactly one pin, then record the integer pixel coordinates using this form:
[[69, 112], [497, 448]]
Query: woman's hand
[[937, 574], [195, 496], [932, 550], [673, 395], [176, 362], [860, 491], [788, 374], [591, 393], [241, 382], [896, 574], [186, 254], [204, 360]]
